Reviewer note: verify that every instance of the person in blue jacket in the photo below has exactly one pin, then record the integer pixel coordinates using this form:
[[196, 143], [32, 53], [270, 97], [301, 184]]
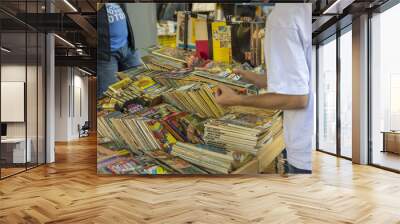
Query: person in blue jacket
[[115, 45]]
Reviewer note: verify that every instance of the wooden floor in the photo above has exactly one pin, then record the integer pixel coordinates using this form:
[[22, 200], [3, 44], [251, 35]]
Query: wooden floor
[[387, 159], [69, 191]]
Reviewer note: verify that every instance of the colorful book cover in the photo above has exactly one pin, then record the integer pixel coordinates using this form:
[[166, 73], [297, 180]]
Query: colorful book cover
[[161, 134], [144, 82], [221, 34], [201, 38]]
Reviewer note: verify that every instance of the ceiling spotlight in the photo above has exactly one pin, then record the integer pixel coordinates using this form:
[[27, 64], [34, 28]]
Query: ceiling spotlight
[[84, 71], [337, 7], [65, 41], [70, 5], [5, 50]]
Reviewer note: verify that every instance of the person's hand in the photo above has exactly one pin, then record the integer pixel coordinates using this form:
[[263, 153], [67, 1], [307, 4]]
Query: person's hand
[[190, 61], [259, 80], [243, 74], [237, 71], [226, 96]]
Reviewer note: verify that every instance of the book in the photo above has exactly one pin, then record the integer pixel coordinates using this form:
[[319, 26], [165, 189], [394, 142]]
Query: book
[[179, 165], [221, 39], [195, 98], [246, 132], [239, 86], [107, 129], [214, 159], [185, 30], [201, 37], [173, 54], [204, 7], [166, 121]]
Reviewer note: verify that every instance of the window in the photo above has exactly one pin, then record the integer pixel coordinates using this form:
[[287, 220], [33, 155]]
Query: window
[[22, 75], [346, 93], [385, 86], [327, 97]]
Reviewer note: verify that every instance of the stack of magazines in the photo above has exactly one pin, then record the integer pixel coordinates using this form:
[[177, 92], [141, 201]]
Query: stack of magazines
[[215, 160], [242, 131], [195, 98], [167, 121]]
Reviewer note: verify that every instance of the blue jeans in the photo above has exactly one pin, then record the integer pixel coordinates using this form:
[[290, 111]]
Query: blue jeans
[[290, 169], [120, 60]]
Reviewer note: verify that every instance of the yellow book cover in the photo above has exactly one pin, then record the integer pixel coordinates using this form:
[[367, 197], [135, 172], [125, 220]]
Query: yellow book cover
[[221, 42], [144, 82], [120, 84]]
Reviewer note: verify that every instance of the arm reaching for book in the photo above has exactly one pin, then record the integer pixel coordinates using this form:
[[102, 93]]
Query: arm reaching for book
[[227, 97], [259, 80]]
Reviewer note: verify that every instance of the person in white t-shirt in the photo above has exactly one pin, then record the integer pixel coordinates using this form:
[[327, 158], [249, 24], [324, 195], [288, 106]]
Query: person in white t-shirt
[[288, 47]]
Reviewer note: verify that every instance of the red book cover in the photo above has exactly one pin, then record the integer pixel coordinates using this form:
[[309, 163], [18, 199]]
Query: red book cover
[[202, 48]]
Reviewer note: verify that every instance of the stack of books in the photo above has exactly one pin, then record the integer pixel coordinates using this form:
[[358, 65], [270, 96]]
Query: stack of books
[[173, 54], [156, 127], [177, 164], [133, 72], [123, 91], [143, 130], [167, 121], [213, 159], [242, 131], [151, 90], [184, 127], [224, 78], [121, 161], [157, 63], [143, 87], [106, 129], [195, 98], [174, 79], [136, 165]]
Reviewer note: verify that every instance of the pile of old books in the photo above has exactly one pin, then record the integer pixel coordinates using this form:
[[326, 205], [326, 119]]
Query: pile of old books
[[121, 161], [106, 129], [224, 78], [242, 131], [153, 128], [142, 89], [168, 122], [166, 59], [213, 159], [195, 98]]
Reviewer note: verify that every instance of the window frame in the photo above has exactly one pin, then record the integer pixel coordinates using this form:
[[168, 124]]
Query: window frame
[[334, 37], [371, 13]]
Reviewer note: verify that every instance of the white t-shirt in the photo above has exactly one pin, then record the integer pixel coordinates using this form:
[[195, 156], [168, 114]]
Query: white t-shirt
[[288, 47]]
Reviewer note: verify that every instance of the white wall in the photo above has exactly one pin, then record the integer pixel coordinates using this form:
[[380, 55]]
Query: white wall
[[61, 103], [71, 102], [12, 73], [33, 127]]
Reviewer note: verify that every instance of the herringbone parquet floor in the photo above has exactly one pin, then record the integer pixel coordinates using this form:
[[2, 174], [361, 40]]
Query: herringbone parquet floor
[[69, 191]]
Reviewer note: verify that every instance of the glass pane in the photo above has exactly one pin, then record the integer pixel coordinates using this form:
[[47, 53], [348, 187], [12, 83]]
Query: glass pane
[[31, 97], [386, 89], [314, 88], [346, 93], [41, 99], [327, 97], [13, 87]]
